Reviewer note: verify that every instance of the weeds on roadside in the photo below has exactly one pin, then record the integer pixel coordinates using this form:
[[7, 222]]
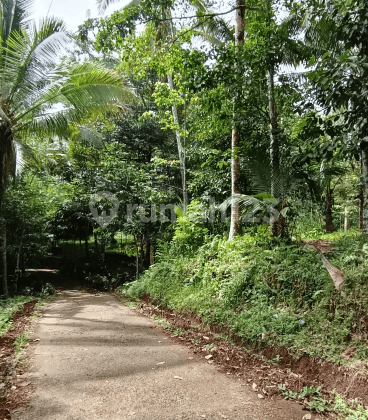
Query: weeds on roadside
[[268, 290], [20, 342], [8, 308], [316, 402], [350, 409], [343, 409]]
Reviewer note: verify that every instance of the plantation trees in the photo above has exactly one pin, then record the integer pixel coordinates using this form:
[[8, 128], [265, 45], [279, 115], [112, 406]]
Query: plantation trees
[[337, 32], [31, 81]]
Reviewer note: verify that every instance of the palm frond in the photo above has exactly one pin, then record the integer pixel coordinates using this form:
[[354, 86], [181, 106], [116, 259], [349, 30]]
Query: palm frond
[[56, 123], [244, 200], [22, 13], [214, 29], [29, 58], [328, 171], [90, 135], [80, 87], [252, 205], [283, 181], [24, 155]]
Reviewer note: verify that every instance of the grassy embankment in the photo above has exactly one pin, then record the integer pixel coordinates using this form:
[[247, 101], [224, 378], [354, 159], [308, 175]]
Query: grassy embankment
[[269, 291], [9, 307], [274, 293]]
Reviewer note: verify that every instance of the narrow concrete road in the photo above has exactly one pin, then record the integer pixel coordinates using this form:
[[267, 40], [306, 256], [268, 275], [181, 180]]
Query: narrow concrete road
[[97, 359]]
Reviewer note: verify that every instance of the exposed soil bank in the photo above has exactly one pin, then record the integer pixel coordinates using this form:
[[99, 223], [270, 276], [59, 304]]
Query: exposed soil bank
[[245, 361], [13, 390]]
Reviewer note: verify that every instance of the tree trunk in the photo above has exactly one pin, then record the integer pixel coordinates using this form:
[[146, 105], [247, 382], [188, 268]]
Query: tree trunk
[[181, 149], [235, 226], [142, 259], [330, 227], [365, 188], [97, 251], [86, 237], [360, 209], [86, 247], [7, 158], [164, 29], [3, 269], [346, 221], [235, 223], [152, 254], [274, 138], [280, 226], [136, 258], [17, 267]]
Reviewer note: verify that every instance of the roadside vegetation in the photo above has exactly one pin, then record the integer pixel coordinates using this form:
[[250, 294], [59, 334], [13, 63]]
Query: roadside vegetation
[[158, 157], [9, 307], [268, 291]]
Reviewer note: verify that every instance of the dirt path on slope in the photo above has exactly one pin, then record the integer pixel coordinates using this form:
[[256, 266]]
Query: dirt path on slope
[[97, 359]]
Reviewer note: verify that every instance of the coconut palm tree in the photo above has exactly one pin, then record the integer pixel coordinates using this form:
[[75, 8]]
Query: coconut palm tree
[[33, 79]]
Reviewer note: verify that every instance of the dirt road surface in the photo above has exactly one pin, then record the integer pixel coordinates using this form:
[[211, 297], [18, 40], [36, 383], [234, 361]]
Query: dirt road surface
[[97, 359]]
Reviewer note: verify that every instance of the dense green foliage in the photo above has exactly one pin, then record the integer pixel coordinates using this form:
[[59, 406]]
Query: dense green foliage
[[186, 91], [267, 290], [159, 106]]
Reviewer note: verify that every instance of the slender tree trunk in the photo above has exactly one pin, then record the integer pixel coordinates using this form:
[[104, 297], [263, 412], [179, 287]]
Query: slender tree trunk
[[235, 226], [330, 227], [97, 250], [136, 257], [365, 188], [181, 149], [274, 138], [86, 237], [152, 254], [17, 267], [3, 267], [7, 156], [86, 247], [235, 223], [279, 226], [361, 198], [346, 221], [142, 259], [360, 209], [164, 29]]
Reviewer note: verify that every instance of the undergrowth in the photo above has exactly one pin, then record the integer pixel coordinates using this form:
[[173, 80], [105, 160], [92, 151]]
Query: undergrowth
[[343, 409], [266, 289], [271, 291], [8, 308]]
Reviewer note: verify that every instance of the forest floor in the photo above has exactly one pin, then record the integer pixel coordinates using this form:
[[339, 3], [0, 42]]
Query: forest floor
[[95, 358]]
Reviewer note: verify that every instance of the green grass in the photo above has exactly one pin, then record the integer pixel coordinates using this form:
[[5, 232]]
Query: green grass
[[27, 335], [124, 244], [8, 308], [20, 342], [269, 291], [265, 290], [349, 409]]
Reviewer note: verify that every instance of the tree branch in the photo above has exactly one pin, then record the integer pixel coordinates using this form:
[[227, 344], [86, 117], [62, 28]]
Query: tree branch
[[207, 15]]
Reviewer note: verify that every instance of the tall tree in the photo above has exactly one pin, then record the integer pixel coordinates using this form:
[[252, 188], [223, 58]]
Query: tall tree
[[337, 33], [235, 223], [31, 81], [166, 32]]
